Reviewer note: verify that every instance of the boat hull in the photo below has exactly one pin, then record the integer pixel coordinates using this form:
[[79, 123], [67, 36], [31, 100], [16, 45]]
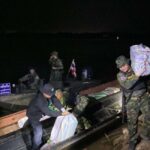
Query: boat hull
[[106, 116]]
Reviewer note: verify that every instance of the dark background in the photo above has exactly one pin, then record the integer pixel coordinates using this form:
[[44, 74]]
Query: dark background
[[84, 30], [75, 16]]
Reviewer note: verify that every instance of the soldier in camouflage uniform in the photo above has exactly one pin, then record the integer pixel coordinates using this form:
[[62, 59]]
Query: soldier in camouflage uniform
[[30, 81], [56, 67], [137, 99], [60, 97], [81, 103]]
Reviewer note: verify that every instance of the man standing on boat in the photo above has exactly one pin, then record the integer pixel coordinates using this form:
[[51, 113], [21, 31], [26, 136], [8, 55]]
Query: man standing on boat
[[136, 100], [39, 107], [56, 69]]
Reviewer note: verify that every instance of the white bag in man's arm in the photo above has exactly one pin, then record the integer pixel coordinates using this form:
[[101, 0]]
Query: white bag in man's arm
[[64, 128], [140, 59]]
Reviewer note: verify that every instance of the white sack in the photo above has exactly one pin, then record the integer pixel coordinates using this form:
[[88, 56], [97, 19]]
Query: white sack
[[64, 128], [140, 59]]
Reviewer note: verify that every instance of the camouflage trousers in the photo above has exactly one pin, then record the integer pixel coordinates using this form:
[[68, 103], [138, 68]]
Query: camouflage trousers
[[56, 75], [134, 106], [81, 104]]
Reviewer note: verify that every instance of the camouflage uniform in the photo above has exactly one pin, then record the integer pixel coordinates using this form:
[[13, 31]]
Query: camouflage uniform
[[56, 67], [29, 81], [52, 107], [137, 99], [81, 104], [148, 83]]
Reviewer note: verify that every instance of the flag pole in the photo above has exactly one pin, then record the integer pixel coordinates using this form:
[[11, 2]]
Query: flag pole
[[69, 69]]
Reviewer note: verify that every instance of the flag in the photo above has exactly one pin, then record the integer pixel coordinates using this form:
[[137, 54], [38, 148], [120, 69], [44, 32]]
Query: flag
[[72, 69]]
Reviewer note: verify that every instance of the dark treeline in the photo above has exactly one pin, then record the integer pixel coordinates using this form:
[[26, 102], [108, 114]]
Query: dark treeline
[[19, 51]]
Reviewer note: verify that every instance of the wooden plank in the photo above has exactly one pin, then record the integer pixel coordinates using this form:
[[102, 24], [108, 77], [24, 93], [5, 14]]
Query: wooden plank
[[12, 118], [8, 129], [100, 87]]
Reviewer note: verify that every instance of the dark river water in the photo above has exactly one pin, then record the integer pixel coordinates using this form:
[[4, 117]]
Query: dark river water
[[19, 51]]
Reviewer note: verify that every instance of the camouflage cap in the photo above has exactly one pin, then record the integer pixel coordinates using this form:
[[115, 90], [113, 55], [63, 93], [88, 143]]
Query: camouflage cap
[[121, 60]]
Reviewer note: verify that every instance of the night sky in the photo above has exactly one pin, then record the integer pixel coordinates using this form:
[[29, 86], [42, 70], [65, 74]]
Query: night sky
[[77, 16], [84, 30]]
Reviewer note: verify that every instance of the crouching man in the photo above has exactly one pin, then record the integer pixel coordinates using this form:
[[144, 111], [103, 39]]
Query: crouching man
[[39, 107]]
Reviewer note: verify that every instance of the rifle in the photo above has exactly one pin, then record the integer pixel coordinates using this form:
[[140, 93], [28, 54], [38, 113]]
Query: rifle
[[123, 107], [124, 103]]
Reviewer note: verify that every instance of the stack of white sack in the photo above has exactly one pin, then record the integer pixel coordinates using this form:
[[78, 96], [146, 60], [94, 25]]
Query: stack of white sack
[[64, 128], [140, 59]]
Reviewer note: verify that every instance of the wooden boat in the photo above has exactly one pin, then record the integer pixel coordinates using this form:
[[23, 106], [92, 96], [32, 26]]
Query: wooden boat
[[17, 102], [103, 112]]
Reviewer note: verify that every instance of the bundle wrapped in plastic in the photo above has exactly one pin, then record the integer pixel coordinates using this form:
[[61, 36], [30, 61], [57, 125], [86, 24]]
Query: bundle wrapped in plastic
[[140, 59], [64, 128]]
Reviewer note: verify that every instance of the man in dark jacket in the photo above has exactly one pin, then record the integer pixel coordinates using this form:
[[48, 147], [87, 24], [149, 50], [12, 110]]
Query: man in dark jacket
[[39, 107]]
